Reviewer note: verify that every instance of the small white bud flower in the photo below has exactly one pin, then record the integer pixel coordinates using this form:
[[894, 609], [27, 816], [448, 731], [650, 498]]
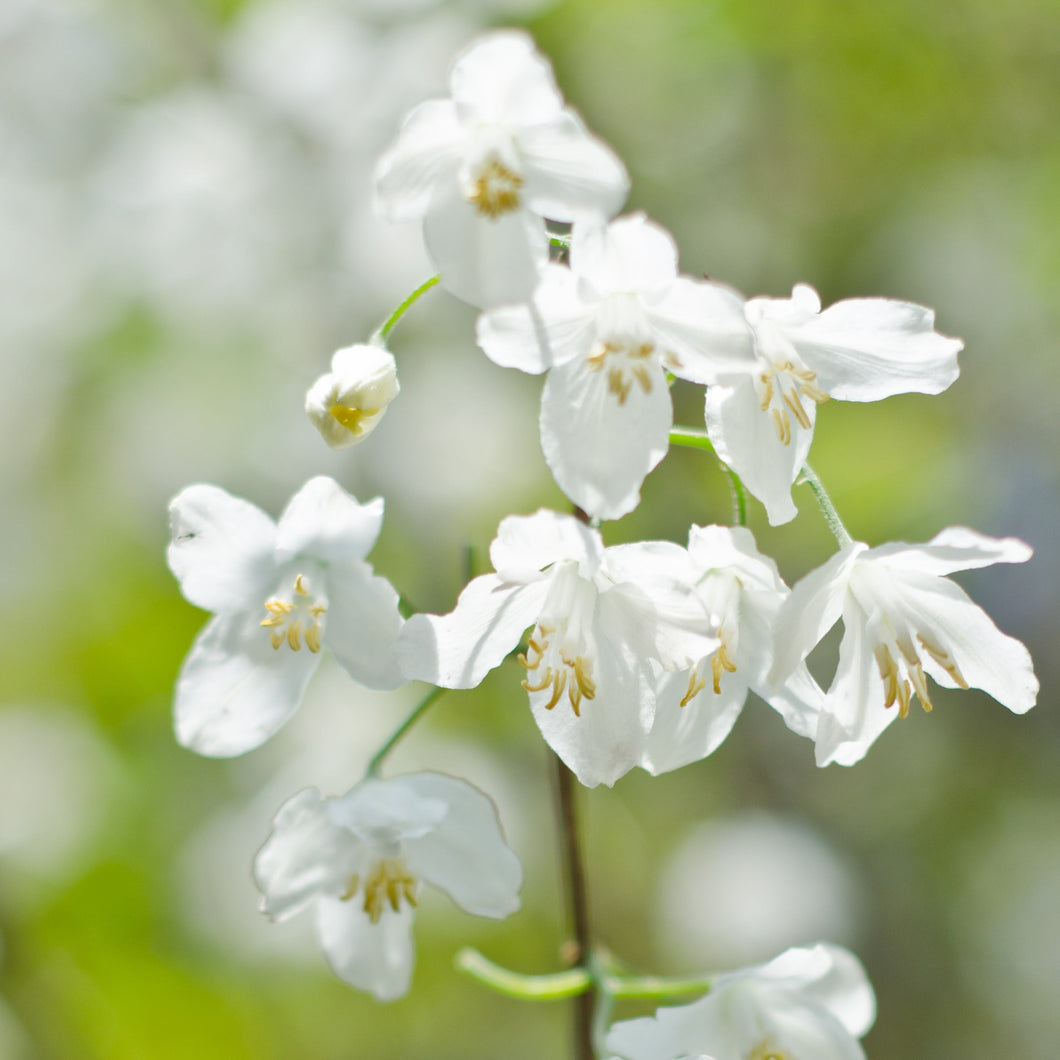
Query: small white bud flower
[[347, 403]]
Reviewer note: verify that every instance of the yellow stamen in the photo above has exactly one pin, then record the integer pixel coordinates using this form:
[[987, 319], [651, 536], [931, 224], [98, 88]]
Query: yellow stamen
[[496, 191], [721, 661], [352, 418], [696, 684], [387, 884]]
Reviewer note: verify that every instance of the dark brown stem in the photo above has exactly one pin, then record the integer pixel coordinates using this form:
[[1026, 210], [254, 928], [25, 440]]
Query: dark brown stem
[[578, 898]]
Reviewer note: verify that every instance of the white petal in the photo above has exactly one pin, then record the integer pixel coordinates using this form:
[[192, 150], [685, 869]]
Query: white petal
[[607, 740], [465, 854], [555, 327], [953, 549], [526, 544], [235, 690], [724, 547], [599, 450], [307, 855], [987, 658], [864, 349], [800, 701], [703, 326], [501, 78], [362, 625], [484, 261], [629, 256], [745, 438], [457, 650], [425, 156], [384, 813], [324, 522], [814, 607], [374, 957], [222, 548]]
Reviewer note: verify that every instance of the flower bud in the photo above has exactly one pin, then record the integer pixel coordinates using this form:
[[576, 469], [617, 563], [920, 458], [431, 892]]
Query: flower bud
[[348, 402]]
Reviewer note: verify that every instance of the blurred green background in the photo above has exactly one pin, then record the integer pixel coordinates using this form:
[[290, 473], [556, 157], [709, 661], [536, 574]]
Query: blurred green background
[[185, 237]]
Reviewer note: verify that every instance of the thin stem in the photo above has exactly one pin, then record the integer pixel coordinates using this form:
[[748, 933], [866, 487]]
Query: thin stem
[[578, 897], [556, 986], [652, 987], [828, 510], [695, 439], [398, 313], [377, 759]]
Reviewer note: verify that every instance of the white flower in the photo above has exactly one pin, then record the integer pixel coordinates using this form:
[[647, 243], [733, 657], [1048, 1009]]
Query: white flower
[[608, 329], [485, 167], [279, 593], [589, 657], [860, 349], [742, 593], [347, 403], [903, 622], [360, 858], [807, 1004]]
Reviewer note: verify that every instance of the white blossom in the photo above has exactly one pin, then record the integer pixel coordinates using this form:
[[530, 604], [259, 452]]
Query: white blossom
[[360, 860], [279, 593], [347, 403], [904, 621], [485, 167]]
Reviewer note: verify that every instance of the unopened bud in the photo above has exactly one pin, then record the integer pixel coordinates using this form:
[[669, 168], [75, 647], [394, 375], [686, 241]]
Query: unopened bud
[[348, 402]]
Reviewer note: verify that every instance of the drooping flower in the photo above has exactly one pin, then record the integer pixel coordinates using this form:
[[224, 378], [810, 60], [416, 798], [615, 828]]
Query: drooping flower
[[904, 621], [484, 168], [347, 403], [813, 1002], [279, 593], [590, 654], [860, 349], [360, 859], [742, 593], [607, 330]]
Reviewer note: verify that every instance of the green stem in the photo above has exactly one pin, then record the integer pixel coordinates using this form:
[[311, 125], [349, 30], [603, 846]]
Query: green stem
[[694, 439], [828, 510], [377, 759], [398, 313], [557, 986], [652, 987]]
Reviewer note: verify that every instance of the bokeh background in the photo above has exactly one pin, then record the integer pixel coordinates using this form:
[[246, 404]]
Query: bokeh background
[[185, 237]]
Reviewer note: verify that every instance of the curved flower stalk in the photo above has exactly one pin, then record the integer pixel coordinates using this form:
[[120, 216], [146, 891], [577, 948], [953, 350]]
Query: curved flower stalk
[[279, 593], [904, 621], [589, 661], [607, 330], [484, 168], [860, 349], [360, 860], [742, 593], [808, 1002], [347, 403]]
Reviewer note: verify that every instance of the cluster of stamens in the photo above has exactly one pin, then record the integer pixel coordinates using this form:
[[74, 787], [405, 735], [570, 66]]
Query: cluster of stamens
[[766, 1051], [388, 884], [496, 190], [352, 418], [289, 621], [631, 359], [720, 662], [903, 677], [790, 385], [573, 675]]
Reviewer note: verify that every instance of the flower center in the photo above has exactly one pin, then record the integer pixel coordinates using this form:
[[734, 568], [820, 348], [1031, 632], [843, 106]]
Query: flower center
[[289, 620], [782, 389], [495, 190], [766, 1051], [388, 884], [720, 662], [625, 364], [353, 419]]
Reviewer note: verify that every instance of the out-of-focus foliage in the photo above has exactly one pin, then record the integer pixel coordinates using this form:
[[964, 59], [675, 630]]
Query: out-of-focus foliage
[[185, 238]]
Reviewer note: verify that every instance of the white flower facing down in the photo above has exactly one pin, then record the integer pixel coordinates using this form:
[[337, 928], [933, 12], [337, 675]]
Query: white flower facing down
[[607, 330], [484, 168], [904, 621], [860, 349], [347, 403], [361, 857], [810, 1003], [742, 593], [279, 593], [589, 661]]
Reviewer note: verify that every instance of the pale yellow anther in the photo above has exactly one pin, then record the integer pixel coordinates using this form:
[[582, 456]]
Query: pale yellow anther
[[352, 418], [721, 662], [569, 673], [389, 883], [625, 364], [289, 621], [696, 683], [783, 389], [496, 191]]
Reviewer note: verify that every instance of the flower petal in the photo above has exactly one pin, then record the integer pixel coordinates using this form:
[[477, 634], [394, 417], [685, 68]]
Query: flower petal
[[222, 548], [629, 256], [527, 544], [955, 548], [598, 449], [465, 854], [362, 625], [457, 650], [235, 690], [325, 522], [376, 957], [307, 855]]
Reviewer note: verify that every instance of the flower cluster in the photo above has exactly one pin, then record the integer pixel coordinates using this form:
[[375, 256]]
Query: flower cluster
[[633, 655]]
